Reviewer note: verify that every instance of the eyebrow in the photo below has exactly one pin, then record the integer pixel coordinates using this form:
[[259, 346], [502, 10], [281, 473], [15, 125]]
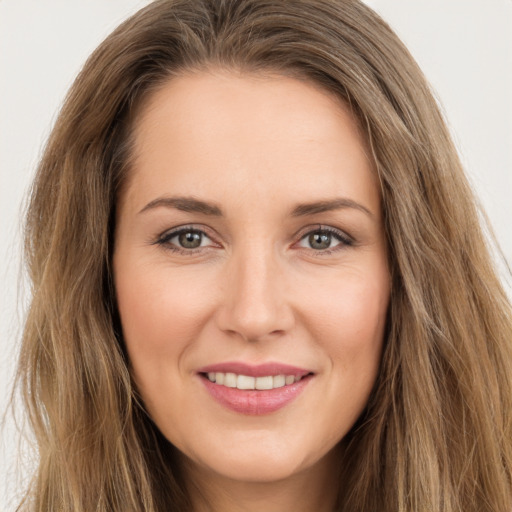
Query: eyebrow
[[191, 204], [185, 204], [326, 206]]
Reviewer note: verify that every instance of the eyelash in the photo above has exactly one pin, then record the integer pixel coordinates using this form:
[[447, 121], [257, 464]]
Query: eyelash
[[340, 236], [345, 241], [164, 240]]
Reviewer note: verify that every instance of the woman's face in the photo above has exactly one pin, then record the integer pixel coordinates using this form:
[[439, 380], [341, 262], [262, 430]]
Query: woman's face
[[251, 273]]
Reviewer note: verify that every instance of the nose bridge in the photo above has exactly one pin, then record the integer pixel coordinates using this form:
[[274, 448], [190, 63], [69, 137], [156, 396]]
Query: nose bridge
[[255, 301]]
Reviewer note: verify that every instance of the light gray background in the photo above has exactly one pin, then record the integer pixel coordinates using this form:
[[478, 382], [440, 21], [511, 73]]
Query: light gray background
[[463, 46]]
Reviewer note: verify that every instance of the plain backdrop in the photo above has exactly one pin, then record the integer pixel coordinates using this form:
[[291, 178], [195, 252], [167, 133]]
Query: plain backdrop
[[463, 46]]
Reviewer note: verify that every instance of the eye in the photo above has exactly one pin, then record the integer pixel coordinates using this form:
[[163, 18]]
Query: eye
[[325, 239], [185, 239], [189, 239]]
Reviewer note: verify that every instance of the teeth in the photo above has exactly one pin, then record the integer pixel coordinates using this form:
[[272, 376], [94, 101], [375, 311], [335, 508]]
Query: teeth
[[232, 380], [265, 382], [244, 382], [279, 381]]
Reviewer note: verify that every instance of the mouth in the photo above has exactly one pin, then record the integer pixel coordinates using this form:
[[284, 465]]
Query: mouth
[[254, 390], [248, 382]]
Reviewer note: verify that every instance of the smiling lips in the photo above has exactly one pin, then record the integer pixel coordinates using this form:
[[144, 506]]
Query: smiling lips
[[254, 390]]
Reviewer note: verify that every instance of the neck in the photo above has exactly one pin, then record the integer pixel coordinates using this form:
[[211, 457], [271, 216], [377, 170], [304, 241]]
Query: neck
[[314, 488]]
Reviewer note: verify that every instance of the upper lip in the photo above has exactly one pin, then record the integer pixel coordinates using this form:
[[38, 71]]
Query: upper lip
[[258, 370]]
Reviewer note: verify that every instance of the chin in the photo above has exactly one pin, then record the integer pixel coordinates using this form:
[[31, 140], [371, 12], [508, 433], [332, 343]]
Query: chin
[[265, 468], [256, 457]]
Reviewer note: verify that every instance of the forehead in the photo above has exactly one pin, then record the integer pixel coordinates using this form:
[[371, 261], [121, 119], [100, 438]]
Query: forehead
[[209, 132]]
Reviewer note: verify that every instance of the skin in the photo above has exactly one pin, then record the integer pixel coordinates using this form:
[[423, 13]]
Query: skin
[[256, 290]]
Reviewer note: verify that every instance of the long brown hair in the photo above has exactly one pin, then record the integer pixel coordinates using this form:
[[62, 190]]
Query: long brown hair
[[437, 432]]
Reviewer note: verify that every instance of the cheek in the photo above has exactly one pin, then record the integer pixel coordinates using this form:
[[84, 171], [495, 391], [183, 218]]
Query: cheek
[[161, 316], [352, 308], [349, 323]]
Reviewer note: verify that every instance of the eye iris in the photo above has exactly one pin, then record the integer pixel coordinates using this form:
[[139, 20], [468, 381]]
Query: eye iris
[[319, 240], [190, 239]]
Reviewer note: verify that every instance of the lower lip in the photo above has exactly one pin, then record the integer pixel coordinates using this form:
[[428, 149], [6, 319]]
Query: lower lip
[[255, 402]]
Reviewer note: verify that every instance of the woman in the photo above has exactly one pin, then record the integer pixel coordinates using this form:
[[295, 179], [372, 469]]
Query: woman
[[259, 277]]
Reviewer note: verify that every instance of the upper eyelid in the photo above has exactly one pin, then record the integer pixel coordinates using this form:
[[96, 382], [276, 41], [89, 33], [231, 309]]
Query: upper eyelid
[[323, 227], [169, 233], [300, 233]]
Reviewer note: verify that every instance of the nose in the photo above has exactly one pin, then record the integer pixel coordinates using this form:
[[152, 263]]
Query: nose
[[254, 296]]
